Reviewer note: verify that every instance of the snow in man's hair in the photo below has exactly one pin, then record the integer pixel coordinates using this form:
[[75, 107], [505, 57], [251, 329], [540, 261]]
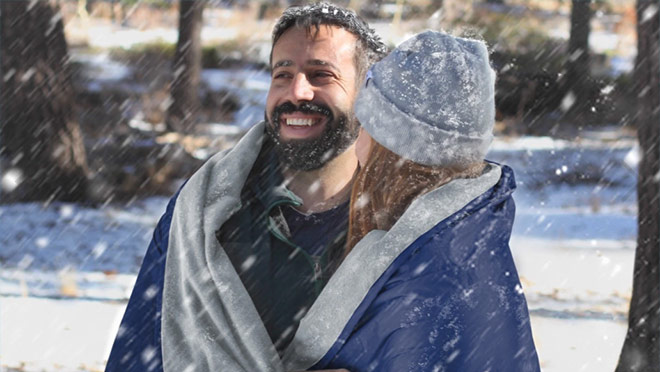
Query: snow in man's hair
[[315, 15]]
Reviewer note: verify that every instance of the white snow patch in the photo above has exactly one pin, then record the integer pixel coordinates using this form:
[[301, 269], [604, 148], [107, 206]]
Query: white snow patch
[[584, 345], [607, 89], [11, 179], [42, 242], [650, 12], [568, 101], [528, 143], [57, 335], [110, 36]]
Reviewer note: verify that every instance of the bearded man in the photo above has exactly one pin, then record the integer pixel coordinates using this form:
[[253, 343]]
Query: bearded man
[[246, 246]]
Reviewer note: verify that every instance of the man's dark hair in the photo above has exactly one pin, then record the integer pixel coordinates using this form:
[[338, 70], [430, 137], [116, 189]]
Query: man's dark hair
[[370, 48]]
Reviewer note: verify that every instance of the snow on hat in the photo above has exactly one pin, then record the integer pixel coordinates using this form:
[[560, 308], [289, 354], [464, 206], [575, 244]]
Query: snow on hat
[[432, 100]]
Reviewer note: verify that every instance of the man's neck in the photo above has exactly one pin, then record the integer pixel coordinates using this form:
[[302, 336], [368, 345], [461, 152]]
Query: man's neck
[[327, 187]]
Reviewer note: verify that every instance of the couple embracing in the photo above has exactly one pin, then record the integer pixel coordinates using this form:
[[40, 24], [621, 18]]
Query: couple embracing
[[357, 228]]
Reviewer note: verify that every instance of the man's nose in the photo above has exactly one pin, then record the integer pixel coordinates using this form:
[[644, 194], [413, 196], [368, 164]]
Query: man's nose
[[301, 89]]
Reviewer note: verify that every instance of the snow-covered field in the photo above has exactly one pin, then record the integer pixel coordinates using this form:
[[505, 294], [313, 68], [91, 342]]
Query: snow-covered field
[[67, 270]]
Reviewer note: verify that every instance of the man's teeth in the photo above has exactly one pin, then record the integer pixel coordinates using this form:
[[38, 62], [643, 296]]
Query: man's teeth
[[300, 122]]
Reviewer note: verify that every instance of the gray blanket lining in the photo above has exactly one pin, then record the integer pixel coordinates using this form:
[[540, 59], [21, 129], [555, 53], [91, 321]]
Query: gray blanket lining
[[209, 322]]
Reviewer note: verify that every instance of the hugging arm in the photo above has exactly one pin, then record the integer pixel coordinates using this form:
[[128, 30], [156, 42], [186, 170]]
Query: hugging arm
[[476, 329], [433, 314]]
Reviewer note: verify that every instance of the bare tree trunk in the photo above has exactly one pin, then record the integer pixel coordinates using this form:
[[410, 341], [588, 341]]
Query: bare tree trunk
[[641, 350], [578, 43], [434, 6], [183, 111], [576, 81], [39, 135]]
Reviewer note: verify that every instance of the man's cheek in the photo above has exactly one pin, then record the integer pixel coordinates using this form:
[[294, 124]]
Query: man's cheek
[[268, 118]]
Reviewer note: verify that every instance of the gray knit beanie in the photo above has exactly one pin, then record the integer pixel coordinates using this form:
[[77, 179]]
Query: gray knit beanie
[[432, 100]]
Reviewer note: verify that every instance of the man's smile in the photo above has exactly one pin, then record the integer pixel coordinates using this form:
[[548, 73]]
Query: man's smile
[[297, 125], [300, 122]]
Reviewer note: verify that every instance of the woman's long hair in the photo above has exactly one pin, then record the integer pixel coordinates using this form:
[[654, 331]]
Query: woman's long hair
[[386, 186]]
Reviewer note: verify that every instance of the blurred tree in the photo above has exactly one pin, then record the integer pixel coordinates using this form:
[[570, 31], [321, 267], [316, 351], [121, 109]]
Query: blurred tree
[[182, 114], [576, 80], [268, 6], [83, 10], [641, 349], [39, 135], [434, 5]]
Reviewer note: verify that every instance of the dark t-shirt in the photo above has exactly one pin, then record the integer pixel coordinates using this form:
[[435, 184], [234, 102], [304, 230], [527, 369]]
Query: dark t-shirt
[[282, 281], [314, 233]]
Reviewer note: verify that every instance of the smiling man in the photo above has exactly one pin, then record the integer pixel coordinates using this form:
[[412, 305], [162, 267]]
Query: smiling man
[[312, 91], [247, 245]]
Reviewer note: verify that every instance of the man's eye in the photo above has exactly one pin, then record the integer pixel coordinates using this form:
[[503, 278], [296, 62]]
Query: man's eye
[[321, 74], [281, 75]]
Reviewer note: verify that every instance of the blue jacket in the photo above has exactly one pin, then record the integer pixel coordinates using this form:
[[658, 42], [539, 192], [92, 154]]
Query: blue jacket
[[137, 346]]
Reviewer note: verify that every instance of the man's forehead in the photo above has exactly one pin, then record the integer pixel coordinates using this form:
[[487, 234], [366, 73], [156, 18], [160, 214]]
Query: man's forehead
[[319, 32], [327, 38]]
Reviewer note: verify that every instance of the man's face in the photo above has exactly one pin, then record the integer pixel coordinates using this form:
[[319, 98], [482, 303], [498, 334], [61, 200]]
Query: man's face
[[309, 109]]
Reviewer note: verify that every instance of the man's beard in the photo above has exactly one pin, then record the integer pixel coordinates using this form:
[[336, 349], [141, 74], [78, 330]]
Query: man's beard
[[310, 154]]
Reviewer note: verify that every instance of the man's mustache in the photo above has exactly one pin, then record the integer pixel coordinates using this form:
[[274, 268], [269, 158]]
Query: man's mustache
[[305, 108]]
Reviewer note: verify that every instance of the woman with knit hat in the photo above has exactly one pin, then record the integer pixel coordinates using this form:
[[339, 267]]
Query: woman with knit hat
[[428, 282]]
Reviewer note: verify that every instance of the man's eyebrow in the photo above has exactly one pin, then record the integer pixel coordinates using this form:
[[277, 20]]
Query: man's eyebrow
[[284, 63], [319, 62], [311, 62]]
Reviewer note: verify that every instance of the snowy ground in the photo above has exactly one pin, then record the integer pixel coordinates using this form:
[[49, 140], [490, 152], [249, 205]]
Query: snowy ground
[[67, 271]]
